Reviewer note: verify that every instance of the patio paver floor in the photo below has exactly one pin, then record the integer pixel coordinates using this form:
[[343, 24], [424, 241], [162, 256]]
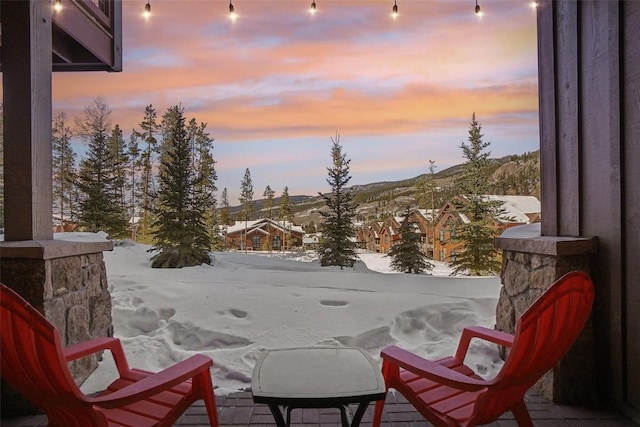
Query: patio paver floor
[[238, 409]]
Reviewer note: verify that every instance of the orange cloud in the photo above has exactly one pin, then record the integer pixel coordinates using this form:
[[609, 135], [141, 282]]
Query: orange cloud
[[274, 86], [279, 74]]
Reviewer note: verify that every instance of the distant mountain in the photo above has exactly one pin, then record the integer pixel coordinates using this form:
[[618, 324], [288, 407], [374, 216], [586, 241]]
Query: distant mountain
[[513, 175], [259, 204]]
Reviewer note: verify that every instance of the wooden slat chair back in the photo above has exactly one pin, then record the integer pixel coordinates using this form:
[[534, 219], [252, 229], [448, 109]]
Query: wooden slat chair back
[[30, 360], [543, 334], [448, 393], [34, 363]]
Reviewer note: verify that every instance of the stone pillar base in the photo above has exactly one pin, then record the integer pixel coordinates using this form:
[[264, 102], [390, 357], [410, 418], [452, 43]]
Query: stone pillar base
[[67, 282], [530, 264]]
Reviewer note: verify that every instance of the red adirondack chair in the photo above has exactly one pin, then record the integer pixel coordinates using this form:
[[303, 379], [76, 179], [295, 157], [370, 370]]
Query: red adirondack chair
[[34, 362], [448, 393]]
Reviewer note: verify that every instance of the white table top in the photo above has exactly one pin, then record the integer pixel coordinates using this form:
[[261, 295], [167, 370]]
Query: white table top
[[316, 373]]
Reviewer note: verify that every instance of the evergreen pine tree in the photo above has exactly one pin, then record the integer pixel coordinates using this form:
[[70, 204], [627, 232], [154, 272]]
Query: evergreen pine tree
[[100, 208], [118, 165], [269, 201], [133, 154], [475, 236], [64, 169], [310, 228], [285, 215], [225, 216], [425, 188], [206, 176], [217, 236], [179, 231], [407, 254], [149, 129], [246, 200], [429, 199], [338, 246]]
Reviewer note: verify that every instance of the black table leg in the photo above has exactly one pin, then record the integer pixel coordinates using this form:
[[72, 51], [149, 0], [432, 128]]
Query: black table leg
[[277, 415], [289, 409], [344, 418], [357, 417]]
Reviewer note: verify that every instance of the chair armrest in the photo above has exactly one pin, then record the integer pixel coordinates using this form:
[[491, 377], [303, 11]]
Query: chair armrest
[[155, 383], [497, 337], [86, 348], [431, 370]]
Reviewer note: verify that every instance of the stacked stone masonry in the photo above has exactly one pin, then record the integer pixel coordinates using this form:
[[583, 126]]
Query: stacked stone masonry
[[530, 264], [67, 282]]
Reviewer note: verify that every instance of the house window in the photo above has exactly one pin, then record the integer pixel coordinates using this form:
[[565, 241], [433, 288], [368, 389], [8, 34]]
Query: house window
[[442, 255], [255, 242], [442, 234], [277, 242], [454, 255], [452, 233]]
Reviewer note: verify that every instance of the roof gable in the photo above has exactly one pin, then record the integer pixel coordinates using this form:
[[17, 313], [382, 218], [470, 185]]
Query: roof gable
[[264, 224]]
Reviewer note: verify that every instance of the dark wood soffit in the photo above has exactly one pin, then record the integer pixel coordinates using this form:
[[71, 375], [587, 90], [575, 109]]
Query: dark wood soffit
[[85, 38]]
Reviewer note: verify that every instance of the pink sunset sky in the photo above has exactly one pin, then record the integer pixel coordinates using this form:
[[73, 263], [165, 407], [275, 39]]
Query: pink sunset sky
[[277, 83]]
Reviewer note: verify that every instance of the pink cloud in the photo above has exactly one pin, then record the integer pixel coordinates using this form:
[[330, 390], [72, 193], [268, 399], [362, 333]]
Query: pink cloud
[[280, 74]]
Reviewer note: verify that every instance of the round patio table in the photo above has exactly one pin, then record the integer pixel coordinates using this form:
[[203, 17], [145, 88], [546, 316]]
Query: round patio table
[[317, 377]]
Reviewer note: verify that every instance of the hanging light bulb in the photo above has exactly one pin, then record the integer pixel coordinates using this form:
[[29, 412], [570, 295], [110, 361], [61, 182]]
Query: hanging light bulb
[[147, 11], [479, 12], [394, 11], [312, 8], [57, 5], [534, 4], [232, 12]]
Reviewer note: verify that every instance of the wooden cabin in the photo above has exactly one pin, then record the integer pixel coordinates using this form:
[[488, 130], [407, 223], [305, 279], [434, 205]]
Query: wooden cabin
[[519, 210], [389, 234], [264, 234]]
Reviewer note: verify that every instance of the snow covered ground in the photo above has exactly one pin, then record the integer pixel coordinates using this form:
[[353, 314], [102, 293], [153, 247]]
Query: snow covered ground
[[244, 303]]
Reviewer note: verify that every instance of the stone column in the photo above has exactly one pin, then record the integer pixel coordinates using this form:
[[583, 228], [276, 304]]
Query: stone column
[[530, 264], [67, 282]]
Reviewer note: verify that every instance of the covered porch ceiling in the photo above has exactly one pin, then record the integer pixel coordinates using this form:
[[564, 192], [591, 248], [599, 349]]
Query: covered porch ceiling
[[86, 35]]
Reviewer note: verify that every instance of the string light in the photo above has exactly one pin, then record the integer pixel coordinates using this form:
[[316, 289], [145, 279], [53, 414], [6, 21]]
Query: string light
[[232, 12], [479, 12], [147, 11], [57, 5]]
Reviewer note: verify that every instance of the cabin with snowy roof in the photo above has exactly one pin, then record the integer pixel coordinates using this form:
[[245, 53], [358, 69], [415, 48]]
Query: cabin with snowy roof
[[379, 236], [263, 235], [389, 233], [519, 210], [424, 220], [368, 236]]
